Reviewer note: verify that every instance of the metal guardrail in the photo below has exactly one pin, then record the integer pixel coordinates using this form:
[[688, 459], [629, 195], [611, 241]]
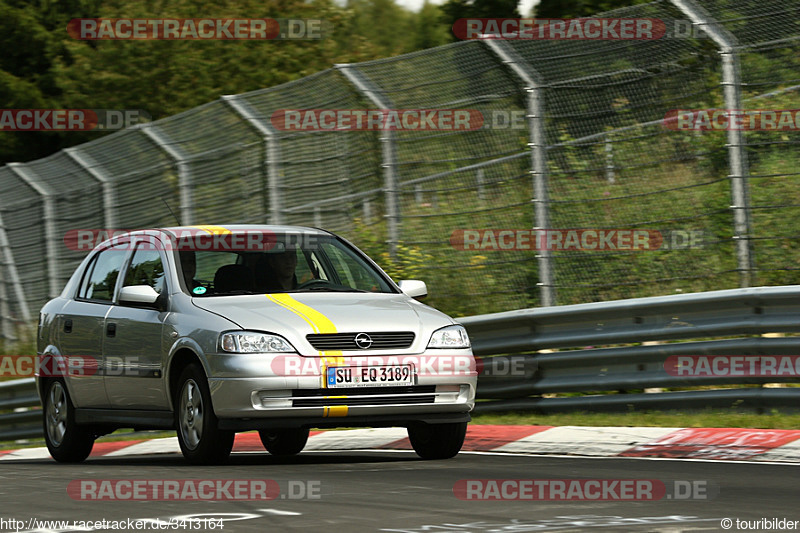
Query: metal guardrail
[[681, 322], [687, 324], [20, 416]]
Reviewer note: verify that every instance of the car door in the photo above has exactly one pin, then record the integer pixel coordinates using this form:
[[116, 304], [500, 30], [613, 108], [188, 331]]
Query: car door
[[81, 325], [132, 349]]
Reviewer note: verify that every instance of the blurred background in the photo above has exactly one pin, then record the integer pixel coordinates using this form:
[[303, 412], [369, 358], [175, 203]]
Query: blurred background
[[601, 155]]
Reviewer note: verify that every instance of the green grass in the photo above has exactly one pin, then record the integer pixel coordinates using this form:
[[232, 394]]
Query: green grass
[[708, 418]]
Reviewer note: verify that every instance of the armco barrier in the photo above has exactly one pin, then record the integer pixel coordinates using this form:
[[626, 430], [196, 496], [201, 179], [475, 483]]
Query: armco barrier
[[20, 416], [601, 351]]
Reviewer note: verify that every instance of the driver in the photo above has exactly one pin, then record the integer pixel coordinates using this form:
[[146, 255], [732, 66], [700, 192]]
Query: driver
[[278, 270]]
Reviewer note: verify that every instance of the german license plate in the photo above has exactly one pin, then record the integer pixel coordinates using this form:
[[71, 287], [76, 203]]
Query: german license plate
[[369, 376]]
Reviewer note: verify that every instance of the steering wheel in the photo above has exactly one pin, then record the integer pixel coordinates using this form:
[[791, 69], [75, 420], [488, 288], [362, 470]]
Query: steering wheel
[[311, 282]]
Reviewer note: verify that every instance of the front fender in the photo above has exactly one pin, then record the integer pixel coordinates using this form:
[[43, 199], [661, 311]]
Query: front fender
[[183, 343]]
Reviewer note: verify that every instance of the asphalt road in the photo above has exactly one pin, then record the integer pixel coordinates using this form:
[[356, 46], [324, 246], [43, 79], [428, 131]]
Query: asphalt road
[[353, 491]]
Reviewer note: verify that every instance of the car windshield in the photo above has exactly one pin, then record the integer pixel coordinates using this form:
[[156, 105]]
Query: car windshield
[[280, 263]]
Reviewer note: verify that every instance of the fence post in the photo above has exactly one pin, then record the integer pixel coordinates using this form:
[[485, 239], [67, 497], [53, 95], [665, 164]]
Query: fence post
[[6, 325], [737, 157], [272, 153], [388, 154], [609, 147], [50, 234], [109, 194], [538, 145], [184, 173], [13, 274]]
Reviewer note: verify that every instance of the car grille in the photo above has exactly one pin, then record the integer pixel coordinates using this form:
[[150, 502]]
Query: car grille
[[390, 340], [364, 396]]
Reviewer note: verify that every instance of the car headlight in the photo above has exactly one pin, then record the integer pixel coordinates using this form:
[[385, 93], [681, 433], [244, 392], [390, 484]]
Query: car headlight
[[254, 342], [449, 337]]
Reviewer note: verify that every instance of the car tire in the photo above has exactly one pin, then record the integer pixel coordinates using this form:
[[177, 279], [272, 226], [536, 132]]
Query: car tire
[[437, 441], [66, 440], [284, 441], [199, 436]]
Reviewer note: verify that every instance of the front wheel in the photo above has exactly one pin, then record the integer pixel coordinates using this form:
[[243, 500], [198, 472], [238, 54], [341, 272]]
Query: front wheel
[[437, 441], [200, 439], [67, 441], [284, 441]]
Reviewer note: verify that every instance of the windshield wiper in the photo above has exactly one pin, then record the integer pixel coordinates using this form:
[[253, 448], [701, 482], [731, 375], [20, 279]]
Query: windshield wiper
[[232, 293], [327, 288]]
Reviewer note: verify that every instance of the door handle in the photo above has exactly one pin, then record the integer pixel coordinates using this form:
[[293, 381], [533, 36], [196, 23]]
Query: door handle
[[68, 325], [111, 330]]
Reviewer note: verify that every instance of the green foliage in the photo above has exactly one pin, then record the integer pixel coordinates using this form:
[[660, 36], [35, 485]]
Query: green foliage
[[580, 8], [452, 10], [42, 67]]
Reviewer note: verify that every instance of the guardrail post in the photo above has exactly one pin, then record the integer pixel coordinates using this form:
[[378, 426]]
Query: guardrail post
[[50, 234], [388, 154], [109, 193], [538, 145], [272, 153], [184, 173], [737, 157]]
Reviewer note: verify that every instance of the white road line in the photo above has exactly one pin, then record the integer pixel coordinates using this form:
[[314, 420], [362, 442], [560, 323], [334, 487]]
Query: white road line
[[280, 512]]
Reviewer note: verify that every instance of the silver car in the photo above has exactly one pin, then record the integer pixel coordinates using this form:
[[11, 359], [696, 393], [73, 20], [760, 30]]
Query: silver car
[[211, 330]]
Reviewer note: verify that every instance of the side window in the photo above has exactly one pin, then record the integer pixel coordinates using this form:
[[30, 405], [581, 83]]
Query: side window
[[101, 276], [146, 268]]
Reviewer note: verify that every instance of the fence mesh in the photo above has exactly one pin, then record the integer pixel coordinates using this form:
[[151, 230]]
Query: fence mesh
[[610, 161]]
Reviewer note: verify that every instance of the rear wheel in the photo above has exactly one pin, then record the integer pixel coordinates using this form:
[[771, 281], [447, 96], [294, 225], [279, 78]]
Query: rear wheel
[[284, 441], [199, 436], [67, 441], [437, 441]]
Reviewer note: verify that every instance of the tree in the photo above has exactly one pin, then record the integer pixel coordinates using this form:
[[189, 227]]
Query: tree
[[430, 31], [579, 8], [458, 9]]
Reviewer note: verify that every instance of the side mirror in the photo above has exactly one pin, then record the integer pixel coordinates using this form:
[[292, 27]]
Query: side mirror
[[414, 288], [139, 295]]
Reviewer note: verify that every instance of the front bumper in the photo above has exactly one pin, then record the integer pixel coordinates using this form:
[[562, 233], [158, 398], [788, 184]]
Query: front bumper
[[290, 397]]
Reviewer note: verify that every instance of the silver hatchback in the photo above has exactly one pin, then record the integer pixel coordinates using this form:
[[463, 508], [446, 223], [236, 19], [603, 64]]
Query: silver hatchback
[[210, 330]]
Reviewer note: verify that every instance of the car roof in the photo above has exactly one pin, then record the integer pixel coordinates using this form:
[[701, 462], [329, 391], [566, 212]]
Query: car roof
[[232, 228]]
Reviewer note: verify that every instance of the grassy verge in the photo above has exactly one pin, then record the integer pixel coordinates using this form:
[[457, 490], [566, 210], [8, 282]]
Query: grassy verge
[[708, 418]]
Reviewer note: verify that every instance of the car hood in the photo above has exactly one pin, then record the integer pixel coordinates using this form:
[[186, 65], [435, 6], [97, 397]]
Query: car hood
[[295, 315]]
